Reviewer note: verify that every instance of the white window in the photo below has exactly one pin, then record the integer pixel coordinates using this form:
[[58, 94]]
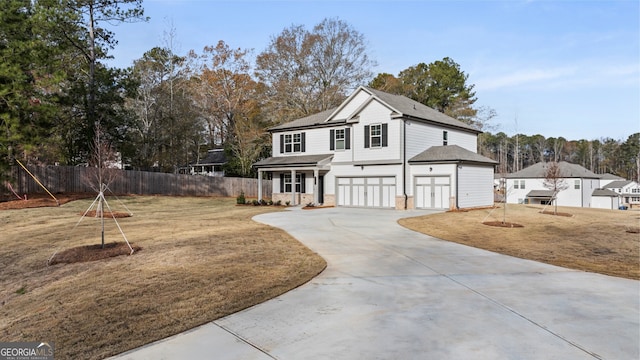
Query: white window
[[287, 183], [445, 137], [635, 191], [516, 184], [292, 143], [340, 139], [376, 135], [576, 185], [521, 184]]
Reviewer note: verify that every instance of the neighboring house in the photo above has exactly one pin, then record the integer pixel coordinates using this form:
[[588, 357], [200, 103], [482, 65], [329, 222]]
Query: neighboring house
[[210, 165], [628, 190], [605, 199], [608, 178], [527, 185], [382, 151]]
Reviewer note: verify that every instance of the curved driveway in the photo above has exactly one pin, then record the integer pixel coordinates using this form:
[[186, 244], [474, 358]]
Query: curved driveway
[[391, 293]]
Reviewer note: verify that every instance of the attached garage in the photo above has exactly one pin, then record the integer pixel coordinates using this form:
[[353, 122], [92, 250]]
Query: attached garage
[[370, 192], [432, 192]]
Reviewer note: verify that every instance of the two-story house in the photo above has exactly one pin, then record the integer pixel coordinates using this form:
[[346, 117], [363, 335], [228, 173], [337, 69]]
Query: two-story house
[[628, 190], [382, 151]]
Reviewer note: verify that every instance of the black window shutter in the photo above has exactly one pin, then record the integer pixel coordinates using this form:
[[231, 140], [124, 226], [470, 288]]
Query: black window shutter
[[281, 183], [332, 134], [366, 136], [302, 146], [281, 143], [384, 134], [347, 138], [302, 187]]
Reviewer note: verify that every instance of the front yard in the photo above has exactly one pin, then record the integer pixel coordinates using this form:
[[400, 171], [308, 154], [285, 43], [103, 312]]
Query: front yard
[[201, 259]]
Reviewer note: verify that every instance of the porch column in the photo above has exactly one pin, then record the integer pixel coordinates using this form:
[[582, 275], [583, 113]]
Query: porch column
[[293, 187], [259, 184], [316, 174]]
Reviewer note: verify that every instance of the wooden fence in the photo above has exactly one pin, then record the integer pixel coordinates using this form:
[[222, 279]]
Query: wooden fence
[[70, 179]]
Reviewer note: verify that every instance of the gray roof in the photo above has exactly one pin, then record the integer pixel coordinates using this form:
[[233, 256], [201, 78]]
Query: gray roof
[[567, 170], [609, 176], [292, 161], [450, 153], [412, 108], [402, 104], [318, 119], [540, 194], [214, 157], [617, 184], [604, 192]]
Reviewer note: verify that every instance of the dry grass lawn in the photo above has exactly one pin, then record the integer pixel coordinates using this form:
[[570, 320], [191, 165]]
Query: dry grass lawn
[[201, 259], [591, 240]]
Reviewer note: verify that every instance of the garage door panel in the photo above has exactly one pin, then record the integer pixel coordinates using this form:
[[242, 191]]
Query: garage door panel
[[432, 192], [366, 192]]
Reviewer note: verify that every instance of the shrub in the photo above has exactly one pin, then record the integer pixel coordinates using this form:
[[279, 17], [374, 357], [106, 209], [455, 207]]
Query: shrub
[[270, 202], [240, 199], [278, 203], [287, 203], [255, 202]]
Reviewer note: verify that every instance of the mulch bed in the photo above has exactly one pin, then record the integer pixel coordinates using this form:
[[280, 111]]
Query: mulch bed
[[41, 200], [547, 212], [108, 214], [503, 224], [92, 253]]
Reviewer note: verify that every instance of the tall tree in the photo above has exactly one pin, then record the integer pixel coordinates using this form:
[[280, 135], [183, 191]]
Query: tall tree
[[311, 71]]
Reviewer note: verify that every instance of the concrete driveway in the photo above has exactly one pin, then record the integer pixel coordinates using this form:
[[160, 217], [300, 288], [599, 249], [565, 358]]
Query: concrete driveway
[[391, 293]]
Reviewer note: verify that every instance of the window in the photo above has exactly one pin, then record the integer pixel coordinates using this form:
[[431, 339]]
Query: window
[[376, 135], [340, 139], [285, 183], [635, 191], [445, 137], [292, 143], [516, 184], [576, 185], [521, 184]]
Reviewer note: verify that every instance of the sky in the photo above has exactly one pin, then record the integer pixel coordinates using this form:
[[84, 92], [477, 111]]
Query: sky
[[555, 68]]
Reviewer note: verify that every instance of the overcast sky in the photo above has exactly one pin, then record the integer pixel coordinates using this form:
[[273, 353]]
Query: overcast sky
[[556, 68]]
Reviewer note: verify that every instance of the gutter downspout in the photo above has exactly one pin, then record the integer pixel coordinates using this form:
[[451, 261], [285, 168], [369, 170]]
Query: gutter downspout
[[457, 187], [404, 163]]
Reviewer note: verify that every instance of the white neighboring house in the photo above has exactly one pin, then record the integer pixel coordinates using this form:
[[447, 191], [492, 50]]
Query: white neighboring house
[[628, 190], [379, 150], [527, 185], [605, 199]]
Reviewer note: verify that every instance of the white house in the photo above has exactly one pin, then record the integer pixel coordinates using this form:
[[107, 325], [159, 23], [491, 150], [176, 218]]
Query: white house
[[379, 150], [605, 199], [608, 178], [527, 186], [628, 190]]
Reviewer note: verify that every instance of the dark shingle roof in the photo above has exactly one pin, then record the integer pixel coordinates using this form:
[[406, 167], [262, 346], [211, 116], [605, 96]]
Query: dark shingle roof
[[617, 184], [450, 153], [289, 161], [609, 176], [604, 192], [567, 170], [214, 157]]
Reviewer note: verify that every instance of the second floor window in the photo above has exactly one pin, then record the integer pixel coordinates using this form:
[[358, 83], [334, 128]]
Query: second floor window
[[576, 184], [445, 138], [340, 139], [292, 143], [375, 135]]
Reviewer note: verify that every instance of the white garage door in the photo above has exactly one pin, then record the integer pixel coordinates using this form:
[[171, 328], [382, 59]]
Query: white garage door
[[377, 192], [432, 192]]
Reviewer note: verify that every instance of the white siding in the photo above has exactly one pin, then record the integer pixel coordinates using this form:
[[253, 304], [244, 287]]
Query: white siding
[[605, 202], [352, 106], [421, 136], [569, 197], [475, 187], [376, 113]]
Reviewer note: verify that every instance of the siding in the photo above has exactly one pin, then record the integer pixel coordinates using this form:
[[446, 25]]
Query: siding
[[475, 186], [376, 113], [352, 105], [421, 136]]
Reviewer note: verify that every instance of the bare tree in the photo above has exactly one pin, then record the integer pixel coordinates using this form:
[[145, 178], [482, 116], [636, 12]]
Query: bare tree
[[554, 181]]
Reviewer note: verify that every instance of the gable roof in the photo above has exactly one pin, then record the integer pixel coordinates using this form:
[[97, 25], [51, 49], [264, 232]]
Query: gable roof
[[450, 153], [568, 170], [541, 194], [617, 184], [402, 106], [608, 176]]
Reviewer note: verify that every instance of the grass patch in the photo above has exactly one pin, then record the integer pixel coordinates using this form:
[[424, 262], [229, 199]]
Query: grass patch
[[592, 240], [202, 258]]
